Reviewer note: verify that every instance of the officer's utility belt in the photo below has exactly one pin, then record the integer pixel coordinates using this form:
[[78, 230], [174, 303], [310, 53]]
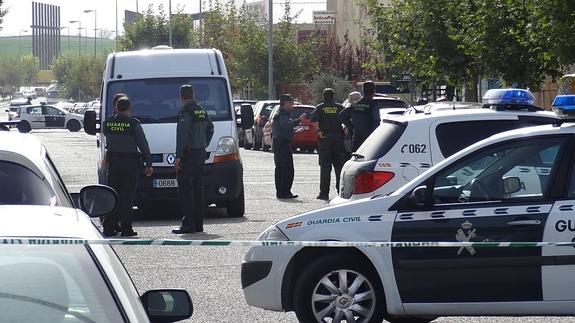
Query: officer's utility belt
[[116, 155]]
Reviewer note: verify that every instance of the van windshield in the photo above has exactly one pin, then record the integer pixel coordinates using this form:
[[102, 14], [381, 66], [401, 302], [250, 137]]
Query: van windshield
[[158, 100]]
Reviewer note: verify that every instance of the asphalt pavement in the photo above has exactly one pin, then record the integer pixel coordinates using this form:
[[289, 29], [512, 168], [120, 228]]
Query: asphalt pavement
[[210, 274]]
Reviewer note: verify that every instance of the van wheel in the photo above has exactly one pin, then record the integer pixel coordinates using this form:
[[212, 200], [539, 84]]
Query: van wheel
[[337, 287], [74, 125], [24, 127], [237, 208]]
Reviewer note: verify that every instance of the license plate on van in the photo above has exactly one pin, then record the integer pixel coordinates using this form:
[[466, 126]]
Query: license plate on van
[[164, 183]]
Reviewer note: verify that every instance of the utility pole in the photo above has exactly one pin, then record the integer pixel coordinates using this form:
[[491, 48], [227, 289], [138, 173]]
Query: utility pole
[[270, 50], [116, 25], [170, 20], [79, 35], [95, 30]]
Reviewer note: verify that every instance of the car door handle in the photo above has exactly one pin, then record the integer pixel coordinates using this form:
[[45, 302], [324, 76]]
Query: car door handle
[[524, 222]]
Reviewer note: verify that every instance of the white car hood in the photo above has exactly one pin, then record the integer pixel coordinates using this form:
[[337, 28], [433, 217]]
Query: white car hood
[[347, 215]]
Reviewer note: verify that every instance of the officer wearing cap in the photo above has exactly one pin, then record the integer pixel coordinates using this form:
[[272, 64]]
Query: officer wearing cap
[[331, 149], [282, 133], [362, 117], [193, 134], [126, 145]]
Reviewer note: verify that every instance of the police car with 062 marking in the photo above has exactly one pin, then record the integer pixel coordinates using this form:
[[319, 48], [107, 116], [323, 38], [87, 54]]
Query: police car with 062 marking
[[476, 195]]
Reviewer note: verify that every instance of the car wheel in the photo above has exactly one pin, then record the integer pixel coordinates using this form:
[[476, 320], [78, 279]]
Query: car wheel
[[74, 125], [24, 127], [237, 207], [335, 288]]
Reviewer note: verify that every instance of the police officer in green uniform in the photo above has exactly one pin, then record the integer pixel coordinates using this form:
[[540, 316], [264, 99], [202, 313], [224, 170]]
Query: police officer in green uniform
[[362, 117], [126, 145], [282, 133], [194, 133], [331, 149]]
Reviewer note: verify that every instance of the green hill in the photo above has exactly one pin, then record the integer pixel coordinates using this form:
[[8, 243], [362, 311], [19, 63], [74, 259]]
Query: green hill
[[9, 45]]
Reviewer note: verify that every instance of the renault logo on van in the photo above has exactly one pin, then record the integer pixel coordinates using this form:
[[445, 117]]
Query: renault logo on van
[[171, 159]]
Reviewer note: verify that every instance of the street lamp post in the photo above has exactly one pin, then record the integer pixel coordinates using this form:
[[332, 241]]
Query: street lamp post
[[68, 36], [19, 43], [270, 50], [79, 34], [170, 20], [95, 28]]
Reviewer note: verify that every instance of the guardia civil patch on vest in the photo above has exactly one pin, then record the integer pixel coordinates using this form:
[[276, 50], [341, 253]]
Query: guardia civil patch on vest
[[119, 127], [361, 107], [199, 115]]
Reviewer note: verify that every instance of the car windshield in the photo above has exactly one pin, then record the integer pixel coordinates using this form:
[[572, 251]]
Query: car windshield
[[158, 100], [391, 104], [267, 109], [53, 284], [25, 187]]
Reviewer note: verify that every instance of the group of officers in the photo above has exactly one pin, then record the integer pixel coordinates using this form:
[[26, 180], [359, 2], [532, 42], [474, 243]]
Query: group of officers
[[127, 149], [340, 131]]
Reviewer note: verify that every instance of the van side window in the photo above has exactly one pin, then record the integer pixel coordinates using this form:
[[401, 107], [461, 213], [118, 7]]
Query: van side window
[[455, 136]]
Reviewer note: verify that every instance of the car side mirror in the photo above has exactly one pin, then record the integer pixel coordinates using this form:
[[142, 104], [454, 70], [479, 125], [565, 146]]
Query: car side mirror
[[97, 200], [419, 195], [511, 185], [90, 122], [247, 113], [167, 305]]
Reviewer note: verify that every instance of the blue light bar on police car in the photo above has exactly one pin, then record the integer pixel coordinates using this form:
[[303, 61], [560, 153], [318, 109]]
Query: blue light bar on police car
[[509, 97], [564, 104]]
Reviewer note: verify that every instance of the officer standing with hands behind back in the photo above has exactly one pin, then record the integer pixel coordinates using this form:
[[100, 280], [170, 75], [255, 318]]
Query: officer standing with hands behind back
[[282, 133], [126, 145], [194, 133], [331, 149], [363, 116]]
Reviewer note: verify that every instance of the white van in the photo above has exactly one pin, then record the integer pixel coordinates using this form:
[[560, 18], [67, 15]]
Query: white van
[[152, 79]]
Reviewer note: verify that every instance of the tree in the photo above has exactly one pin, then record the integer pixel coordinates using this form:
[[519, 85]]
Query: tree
[[419, 38], [29, 68], [294, 62], [518, 42], [151, 30], [340, 86], [10, 76], [3, 12], [80, 77]]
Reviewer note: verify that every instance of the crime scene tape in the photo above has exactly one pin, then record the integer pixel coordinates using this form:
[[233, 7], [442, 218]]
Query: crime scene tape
[[247, 243]]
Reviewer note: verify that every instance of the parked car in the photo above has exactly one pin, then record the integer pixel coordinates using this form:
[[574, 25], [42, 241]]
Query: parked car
[[237, 107], [40, 91], [402, 148], [64, 282], [513, 190], [48, 117], [262, 111], [305, 137]]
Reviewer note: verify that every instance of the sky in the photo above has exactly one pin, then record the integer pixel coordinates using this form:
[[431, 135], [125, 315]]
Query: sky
[[19, 15]]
